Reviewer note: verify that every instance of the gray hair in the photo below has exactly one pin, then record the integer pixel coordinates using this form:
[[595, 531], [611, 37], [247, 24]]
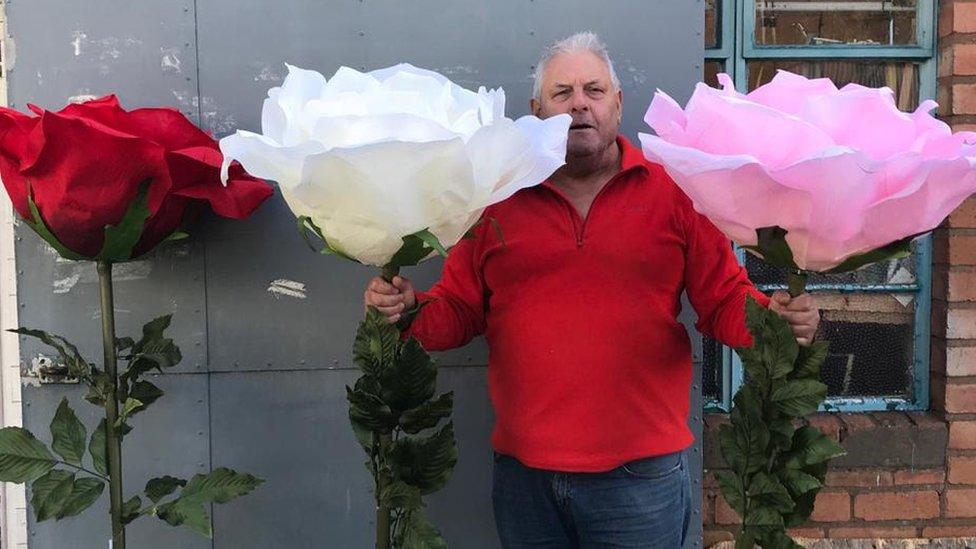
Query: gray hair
[[581, 41]]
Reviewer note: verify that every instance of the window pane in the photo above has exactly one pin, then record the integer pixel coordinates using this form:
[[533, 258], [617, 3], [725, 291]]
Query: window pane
[[892, 271], [711, 70], [871, 340], [713, 20], [833, 22], [901, 77], [712, 382]]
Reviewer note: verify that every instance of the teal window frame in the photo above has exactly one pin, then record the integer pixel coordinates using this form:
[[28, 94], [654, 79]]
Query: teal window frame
[[736, 47]]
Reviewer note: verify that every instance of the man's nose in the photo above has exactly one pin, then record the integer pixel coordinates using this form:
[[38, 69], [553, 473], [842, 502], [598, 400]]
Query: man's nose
[[579, 102]]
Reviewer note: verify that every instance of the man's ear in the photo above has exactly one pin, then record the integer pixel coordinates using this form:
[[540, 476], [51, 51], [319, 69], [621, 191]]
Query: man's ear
[[535, 107]]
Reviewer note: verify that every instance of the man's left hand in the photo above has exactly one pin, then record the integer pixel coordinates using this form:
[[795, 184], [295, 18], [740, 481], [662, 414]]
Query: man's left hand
[[800, 311]]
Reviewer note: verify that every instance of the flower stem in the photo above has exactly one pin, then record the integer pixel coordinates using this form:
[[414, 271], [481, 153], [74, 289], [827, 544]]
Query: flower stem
[[797, 283], [112, 438], [383, 522]]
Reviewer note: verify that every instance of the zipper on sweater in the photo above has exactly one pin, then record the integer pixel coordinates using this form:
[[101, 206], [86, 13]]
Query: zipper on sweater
[[577, 220]]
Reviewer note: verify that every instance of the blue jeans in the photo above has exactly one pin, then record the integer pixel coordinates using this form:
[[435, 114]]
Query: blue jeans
[[642, 504]]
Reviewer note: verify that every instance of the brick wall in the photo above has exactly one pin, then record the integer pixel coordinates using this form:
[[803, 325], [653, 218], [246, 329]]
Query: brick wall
[[907, 475]]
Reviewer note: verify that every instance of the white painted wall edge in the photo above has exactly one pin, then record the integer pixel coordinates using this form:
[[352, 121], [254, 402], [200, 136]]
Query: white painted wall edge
[[13, 497]]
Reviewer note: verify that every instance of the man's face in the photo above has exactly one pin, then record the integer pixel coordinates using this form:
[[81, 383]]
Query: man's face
[[579, 84]]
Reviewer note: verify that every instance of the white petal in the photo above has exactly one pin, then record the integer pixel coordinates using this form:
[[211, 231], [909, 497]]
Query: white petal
[[264, 158], [353, 131]]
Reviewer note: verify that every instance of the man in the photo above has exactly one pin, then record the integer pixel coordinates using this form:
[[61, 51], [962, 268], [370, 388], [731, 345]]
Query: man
[[589, 369]]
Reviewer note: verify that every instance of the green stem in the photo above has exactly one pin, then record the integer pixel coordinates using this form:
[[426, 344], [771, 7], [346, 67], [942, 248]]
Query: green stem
[[797, 283], [113, 440], [383, 522], [80, 468]]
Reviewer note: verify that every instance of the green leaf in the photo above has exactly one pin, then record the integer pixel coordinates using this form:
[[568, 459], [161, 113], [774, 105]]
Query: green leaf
[[219, 486], [68, 434], [798, 482], [97, 446], [412, 379], [130, 509], [37, 223], [306, 226], [364, 435], [130, 406], [50, 492], [428, 414], [772, 247], [120, 239], [153, 351], [23, 458], [420, 533], [896, 250], [158, 488], [811, 447], [810, 359], [401, 495], [84, 492], [743, 443], [375, 347], [732, 490], [770, 492], [746, 539], [425, 462], [779, 346], [431, 241], [177, 235], [800, 397], [367, 410], [146, 393], [413, 251], [67, 352], [99, 388], [762, 516], [781, 433]]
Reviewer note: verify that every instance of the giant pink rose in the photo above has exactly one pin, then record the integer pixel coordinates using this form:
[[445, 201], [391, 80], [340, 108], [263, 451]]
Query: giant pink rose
[[843, 172]]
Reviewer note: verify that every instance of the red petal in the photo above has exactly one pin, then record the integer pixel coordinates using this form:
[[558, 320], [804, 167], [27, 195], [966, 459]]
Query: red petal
[[198, 173], [164, 125], [84, 176], [14, 129]]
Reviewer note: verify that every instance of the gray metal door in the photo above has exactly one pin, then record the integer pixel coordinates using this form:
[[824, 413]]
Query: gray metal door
[[260, 387]]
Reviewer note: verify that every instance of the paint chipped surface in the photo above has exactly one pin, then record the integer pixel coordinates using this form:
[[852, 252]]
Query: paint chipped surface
[[81, 98], [68, 274], [170, 60], [285, 287], [268, 73], [78, 39]]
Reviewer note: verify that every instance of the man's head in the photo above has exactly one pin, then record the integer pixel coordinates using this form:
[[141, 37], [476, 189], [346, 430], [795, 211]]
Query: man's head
[[575, 76]]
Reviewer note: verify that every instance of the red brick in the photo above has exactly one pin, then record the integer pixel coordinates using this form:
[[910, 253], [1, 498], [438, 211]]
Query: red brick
[[928, 476], [954, 531], [964, 59], [962, 248], [961, 503], [961, 361], [864, 478], [965, 215], [961, 285], [962, 435], [857, 422], [708, 508], [723, 513], [832, 507], [872, 532], [964, 17], [927, 420], [961, 323], [964, 101], [828, 424], [943, 98], [897, 505], [960, 398], [962, 469]]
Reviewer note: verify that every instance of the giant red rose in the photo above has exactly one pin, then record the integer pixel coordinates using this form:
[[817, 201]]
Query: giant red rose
[[99, 182]]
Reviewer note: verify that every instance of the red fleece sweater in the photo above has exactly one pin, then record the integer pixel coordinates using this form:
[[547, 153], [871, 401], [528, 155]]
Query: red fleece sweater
[[588, 365]]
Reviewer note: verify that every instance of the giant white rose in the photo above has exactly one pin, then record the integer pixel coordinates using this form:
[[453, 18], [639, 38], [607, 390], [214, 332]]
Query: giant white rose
[[372, 158]]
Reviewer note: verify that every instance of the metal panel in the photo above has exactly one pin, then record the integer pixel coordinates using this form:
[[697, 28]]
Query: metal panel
[[318, 493], [171, 438]]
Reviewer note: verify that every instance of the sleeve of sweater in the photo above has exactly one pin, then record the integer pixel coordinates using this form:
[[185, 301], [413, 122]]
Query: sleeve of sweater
[[454, 309], [717, 285]]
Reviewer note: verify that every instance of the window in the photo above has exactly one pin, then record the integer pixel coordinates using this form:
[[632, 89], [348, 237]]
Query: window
[[876, 319]]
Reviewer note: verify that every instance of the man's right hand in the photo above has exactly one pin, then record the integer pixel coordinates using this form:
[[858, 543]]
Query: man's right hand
[[391, 300]]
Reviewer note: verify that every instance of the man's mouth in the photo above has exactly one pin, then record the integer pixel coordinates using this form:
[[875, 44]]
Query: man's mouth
[[580, 127]]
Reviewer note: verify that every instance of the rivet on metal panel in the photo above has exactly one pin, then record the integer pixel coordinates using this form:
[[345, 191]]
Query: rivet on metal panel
[[531, 33], [302, 361], [695, 387], [695, 449], [200, 433], [362, 33]]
